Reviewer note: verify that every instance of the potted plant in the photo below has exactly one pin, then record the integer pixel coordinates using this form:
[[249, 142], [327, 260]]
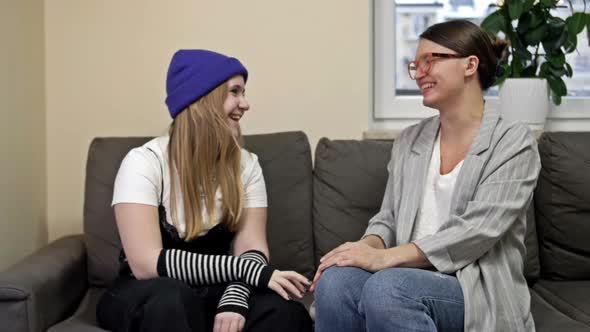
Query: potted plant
[[537, 44]]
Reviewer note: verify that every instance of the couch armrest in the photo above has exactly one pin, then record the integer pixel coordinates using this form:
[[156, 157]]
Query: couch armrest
[[45, 287]]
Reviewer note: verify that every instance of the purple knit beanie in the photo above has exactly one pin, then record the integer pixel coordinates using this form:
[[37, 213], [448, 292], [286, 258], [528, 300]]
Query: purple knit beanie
[[194, 73]]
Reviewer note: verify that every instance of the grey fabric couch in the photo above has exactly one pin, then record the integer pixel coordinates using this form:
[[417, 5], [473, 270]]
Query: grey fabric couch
[[311, 210]]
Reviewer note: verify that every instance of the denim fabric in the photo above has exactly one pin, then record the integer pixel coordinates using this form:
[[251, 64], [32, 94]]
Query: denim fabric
[[395, 299]]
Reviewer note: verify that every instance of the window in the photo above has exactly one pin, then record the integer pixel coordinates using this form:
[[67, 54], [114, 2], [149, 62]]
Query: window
[[413, 17], [397, 25]]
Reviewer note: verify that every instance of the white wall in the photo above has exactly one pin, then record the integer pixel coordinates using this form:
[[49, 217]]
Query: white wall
[[106, 60], [22, 145]]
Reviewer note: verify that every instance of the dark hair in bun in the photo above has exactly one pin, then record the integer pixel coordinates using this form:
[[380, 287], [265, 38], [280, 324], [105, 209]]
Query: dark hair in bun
[[466, 38]]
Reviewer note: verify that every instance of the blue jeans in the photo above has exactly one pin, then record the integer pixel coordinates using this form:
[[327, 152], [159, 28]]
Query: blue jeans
[[395, 299]]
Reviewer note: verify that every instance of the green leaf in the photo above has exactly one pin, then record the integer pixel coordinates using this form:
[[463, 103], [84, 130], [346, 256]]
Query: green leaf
[[537, 17], [528, 5], [569, 70], [553, 43], [517, 66], [556, 23], [576, 23], [557, 26], [558, 88], [534, 36], [494, 22], [557, 85], [561, 40], [548, 3], [524, 23], [557, 72], [544, 69], [529, 71], [556, 98], [570, 43], [521, 50], [588, 27], [556, 60], [515, 9]]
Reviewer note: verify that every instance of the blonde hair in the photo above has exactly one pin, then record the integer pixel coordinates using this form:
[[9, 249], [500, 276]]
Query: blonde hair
[[204, 155]]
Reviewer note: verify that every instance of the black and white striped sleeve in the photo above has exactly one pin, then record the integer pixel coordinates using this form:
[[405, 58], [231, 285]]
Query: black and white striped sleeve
[[236, 295], [198, 269]]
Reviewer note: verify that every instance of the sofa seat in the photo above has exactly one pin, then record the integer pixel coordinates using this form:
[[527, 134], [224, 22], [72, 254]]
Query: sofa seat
[[550, 319], [84, 319], [569, 297]]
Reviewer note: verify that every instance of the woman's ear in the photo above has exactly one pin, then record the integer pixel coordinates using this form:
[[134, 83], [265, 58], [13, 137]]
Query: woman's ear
[[472, 65]]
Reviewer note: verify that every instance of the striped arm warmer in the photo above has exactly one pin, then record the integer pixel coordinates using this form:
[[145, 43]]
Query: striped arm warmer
[[236, 295], [199, 270]]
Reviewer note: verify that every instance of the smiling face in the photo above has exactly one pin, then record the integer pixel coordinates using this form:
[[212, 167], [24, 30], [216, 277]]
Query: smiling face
[[235, 104], [444, 77]]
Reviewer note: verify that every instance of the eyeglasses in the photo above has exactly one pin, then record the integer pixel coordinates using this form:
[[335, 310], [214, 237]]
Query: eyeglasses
[[425, 62]]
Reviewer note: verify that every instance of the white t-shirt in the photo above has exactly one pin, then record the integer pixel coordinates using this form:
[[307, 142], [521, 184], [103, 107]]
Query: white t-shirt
[[436, 201], [139, 180]]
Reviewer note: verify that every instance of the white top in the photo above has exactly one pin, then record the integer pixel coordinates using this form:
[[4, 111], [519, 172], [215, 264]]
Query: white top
[[436, 201], [139, 180]]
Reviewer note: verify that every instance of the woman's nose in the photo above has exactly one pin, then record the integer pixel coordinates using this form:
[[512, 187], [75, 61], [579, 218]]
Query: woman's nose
[[419, 73], [244, 104]]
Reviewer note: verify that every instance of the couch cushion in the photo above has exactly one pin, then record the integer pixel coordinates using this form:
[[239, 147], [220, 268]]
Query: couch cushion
[[570, 297], [102, 239], [549, 319], [349, 184], [84, 319], [286, 164], [285, 159], [562, 206]]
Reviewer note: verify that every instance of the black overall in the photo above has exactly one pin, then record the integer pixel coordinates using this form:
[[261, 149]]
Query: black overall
[[166, 304]]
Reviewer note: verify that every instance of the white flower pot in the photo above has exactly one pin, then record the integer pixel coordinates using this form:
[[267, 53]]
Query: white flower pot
[[525, 100]]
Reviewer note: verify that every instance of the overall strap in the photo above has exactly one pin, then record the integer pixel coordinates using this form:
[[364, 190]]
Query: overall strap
[[162, 172]]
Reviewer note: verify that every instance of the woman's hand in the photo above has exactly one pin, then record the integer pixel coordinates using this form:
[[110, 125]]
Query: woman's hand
[[285, 282], [357, 254], [229, 322]]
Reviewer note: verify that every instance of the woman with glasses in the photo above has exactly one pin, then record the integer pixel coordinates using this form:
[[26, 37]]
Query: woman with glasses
[[446, 250]]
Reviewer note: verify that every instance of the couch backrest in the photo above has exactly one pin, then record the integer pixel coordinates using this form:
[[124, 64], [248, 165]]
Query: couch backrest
[[100, 231], [349, 184], [286, 163], [348, 188], [562, 205]]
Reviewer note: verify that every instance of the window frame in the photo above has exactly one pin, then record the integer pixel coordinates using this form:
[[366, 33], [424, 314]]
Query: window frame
[[389, 107]]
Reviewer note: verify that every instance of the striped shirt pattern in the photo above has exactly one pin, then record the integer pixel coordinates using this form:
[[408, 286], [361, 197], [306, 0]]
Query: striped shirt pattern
[[236, 295], [199, 270]]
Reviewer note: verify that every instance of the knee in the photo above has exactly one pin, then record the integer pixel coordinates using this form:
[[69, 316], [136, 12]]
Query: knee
[[385, 288], [334, 282], [169, 297]]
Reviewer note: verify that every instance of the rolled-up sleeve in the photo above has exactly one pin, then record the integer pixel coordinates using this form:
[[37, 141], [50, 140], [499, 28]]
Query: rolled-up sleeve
[[383, 223], [505, 191]]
